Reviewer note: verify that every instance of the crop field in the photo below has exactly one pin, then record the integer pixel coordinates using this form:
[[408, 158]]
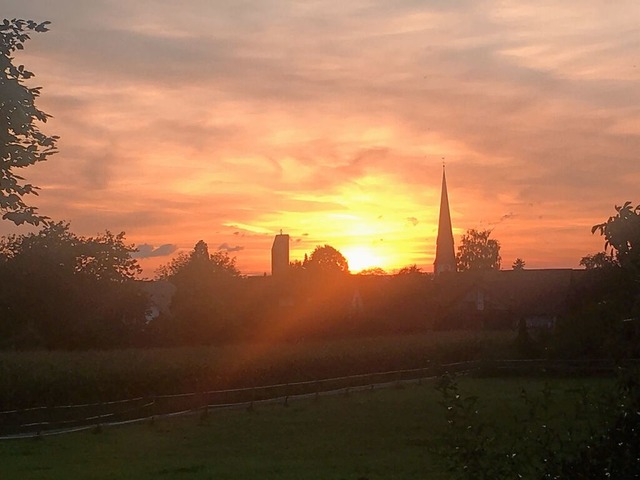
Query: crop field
[[45, 378], [397, 433]]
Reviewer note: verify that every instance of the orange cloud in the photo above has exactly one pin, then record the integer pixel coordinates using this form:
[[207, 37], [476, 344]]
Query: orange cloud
[[332, 119]]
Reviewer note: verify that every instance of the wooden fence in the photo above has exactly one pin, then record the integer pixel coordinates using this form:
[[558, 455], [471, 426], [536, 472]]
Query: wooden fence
[[56, 420]]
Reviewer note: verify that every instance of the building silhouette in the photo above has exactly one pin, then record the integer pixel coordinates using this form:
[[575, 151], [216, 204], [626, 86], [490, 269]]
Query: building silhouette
[[445, 255], [280, 255]]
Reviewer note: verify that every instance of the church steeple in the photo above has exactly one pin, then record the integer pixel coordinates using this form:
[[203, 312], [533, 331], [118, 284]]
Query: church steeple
[[445, 254]]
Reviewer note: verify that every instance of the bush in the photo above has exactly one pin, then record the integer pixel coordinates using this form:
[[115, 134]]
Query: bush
[[598, 437]]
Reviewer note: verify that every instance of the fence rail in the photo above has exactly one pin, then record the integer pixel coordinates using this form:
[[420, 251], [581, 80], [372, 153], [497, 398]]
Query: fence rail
[[55, 420]]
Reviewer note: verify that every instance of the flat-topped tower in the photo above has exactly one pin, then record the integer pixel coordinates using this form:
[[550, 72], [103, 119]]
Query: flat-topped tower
[[280, 255]]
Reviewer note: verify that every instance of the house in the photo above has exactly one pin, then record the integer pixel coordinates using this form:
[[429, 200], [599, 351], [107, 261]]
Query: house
[[504, 298]]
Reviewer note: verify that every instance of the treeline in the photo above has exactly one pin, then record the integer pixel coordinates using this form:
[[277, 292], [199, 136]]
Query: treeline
[[62, 290], [607, 320], [59, 290], [315, 298]]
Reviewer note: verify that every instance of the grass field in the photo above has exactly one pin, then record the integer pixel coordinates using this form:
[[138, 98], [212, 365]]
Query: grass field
[[386, 434], [59, 378]]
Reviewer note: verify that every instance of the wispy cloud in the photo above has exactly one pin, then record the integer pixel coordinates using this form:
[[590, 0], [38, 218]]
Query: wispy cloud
[[225, 247], [148, 251]]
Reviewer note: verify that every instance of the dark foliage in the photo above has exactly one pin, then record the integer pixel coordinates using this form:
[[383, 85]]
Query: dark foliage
[[325, 260], [60, 290], [606, 322], [204, 309], [598, 260], [595, 326], [518, 264], [478, 252], [21, 142], [622, 236], [598, 438]]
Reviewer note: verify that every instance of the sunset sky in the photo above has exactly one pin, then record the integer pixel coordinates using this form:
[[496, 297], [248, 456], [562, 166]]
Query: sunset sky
[[228, 121]]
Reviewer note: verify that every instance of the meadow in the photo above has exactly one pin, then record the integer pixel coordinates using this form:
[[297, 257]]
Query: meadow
[[47, 378], [398, 433]]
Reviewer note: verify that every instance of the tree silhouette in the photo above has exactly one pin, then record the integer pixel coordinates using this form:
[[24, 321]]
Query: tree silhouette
[[326, 260], [410, 270], [598, 260], [597, 327], [622, 236], [198, 262], [372, 271], [22, 143], [478, 252], [204, 305], [518, 264], [61, 290]]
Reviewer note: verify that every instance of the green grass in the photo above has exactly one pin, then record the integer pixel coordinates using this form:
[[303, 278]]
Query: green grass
[[388, 434]]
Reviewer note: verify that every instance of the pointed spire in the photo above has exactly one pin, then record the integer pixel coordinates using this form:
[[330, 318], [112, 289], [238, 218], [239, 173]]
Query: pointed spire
[[445, 255]]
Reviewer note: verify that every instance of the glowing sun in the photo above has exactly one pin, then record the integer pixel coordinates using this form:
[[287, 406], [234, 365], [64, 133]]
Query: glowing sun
[[360, 258]]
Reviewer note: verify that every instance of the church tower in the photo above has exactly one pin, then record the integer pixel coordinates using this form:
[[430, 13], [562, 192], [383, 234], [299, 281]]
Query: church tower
[[280, 255], [445, 254]]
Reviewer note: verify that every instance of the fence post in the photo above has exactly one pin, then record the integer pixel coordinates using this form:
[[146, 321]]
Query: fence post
[[153, 408], [98, 427], [205, 407], [205, 413], [197, 397], [253, 399]]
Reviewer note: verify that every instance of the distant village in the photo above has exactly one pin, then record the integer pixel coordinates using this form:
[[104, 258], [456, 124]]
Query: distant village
[[406, 302], [64, 291]]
